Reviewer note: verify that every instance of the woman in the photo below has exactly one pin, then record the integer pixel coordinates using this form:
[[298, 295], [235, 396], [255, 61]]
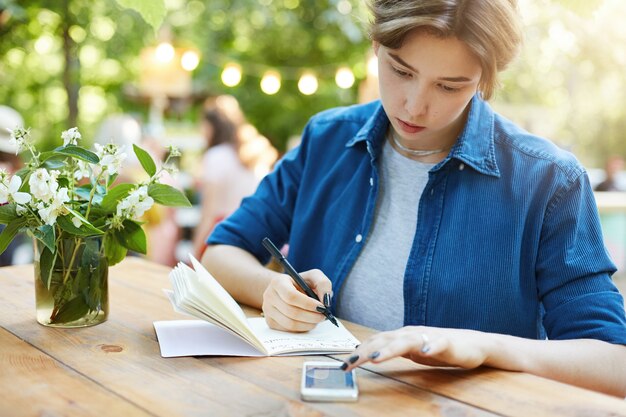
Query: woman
[[235, 161], [472, 241]]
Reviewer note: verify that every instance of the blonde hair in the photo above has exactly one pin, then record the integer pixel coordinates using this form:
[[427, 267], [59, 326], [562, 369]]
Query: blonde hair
[[490, 28]]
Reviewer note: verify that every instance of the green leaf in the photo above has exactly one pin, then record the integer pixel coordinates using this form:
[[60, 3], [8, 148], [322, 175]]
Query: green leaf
[[83, 191], [9, 232], [132, 237], [23, 173], [7, 213], [115, 194], [146, 160], [111, 179], [78, 153], [47, 259], [51, 164], [46, 235], [72, 310], [168, 195], [113, 249], [152, 11], [85, 229]]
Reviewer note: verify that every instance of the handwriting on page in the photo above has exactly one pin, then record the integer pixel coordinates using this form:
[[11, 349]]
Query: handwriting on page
[[296, 344]]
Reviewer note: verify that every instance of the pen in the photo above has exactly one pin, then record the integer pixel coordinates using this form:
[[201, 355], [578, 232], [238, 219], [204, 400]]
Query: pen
[[273, 250]]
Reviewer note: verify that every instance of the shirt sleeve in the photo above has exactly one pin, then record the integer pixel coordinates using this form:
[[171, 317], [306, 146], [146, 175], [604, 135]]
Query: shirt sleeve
[[269, 211], [574, 270]]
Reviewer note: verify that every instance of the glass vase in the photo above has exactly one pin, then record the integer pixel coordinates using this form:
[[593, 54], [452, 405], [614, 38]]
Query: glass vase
[[71, 283]]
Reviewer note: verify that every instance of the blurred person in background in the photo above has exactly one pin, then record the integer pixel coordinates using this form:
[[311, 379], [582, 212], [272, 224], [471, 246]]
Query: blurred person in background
[[9, 162], [236, 159], [614, 164]]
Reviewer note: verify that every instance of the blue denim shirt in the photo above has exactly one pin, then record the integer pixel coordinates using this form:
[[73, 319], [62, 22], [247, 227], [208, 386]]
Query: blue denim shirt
[[508, 238]]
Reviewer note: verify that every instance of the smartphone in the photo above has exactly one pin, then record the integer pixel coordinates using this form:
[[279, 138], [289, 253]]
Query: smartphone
[[325, 381]]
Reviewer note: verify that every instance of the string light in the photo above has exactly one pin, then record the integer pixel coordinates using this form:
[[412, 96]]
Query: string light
[[190, 60], [164, 52], [270, 83], [344, 78], [308, 83], [231, 75]]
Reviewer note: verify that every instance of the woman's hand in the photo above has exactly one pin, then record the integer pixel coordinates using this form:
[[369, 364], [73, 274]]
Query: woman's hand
[[286, 307], [426, 345]]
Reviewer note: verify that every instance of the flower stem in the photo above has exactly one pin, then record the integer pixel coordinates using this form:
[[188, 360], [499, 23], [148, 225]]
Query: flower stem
[[91, 194], [77, 242]]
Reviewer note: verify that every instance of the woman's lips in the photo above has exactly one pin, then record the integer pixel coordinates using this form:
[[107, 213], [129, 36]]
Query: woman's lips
[[409, 128]]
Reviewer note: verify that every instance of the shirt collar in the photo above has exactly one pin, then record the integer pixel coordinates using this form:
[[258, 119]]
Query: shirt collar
[[475, 145]]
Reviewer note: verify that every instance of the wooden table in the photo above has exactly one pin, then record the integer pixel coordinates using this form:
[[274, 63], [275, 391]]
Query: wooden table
[[115, 369]]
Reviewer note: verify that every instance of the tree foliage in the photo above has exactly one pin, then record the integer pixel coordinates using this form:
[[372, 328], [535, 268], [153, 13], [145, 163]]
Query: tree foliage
[[568, 83]]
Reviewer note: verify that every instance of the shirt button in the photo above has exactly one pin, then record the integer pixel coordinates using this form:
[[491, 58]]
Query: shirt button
[[358, 238], [461, 167], [371, 182]]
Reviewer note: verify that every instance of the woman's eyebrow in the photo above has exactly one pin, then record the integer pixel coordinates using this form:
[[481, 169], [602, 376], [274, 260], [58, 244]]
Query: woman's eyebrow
[[402, 62]]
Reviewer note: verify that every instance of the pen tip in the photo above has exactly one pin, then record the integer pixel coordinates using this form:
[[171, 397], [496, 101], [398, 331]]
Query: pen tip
[[333, 320]]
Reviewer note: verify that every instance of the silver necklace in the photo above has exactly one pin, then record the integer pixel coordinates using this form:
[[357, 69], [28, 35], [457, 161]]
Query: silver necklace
[[412, 152]]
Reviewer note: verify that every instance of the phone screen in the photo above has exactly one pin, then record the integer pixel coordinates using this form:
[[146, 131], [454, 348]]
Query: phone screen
[[328, 377]]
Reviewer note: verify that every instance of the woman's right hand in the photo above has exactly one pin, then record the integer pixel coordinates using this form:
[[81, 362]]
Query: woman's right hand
[[287, 308]]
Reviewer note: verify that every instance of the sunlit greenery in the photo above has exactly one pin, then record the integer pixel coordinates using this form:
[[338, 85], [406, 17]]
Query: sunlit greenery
[[569, 82]]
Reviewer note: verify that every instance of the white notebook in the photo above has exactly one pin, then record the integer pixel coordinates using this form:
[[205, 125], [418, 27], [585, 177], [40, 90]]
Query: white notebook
[[224, 329]]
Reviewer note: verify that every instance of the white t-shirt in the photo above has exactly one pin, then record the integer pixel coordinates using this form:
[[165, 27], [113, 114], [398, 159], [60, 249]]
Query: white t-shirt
[[222, 168]]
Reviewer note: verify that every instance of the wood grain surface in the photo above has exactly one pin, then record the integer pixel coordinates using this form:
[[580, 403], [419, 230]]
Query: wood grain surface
[[115, 368]]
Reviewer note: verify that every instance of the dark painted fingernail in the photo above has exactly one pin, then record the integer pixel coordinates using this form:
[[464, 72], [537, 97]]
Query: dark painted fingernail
[[353, 358], [375, 355], [320, 309], [343, 366], [327, 299]]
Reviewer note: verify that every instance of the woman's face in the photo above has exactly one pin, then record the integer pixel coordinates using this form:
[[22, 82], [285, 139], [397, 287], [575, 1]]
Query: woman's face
[[425, 88]]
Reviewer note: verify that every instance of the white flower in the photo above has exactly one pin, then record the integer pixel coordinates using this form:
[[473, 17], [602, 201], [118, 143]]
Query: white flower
[[10, 192], [50, 212], [173, 151], [170, 169], [71, 136], [82, 170], [43, 184], [77, 221], [136, 204], [19, 138], [111, 157], [47, 213]]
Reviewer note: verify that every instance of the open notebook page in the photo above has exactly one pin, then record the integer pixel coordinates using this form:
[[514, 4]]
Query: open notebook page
[[325, 337], [203, 293]]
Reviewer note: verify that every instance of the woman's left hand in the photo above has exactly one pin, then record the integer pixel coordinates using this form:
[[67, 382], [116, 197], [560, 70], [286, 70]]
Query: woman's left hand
[[426, 345]]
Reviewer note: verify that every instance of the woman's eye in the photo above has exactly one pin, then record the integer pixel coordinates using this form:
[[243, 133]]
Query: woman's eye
[[400, 72], [448, 89]]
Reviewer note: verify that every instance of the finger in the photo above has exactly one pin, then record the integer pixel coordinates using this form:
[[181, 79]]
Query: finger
[[319, 283], [289, 295], [279, 321], [367, 351], [272, 303], [296, 313]]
